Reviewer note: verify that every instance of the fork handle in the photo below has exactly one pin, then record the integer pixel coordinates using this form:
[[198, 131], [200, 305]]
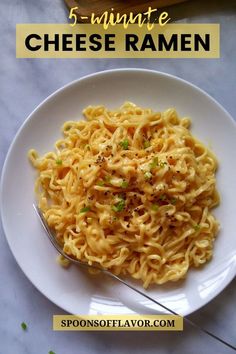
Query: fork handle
[[187, 320]]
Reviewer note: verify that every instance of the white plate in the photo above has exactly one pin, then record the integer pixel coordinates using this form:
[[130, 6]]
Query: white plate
[[74, 290]]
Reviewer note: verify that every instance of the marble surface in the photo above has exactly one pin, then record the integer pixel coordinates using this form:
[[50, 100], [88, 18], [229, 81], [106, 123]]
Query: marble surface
[[23, 85]]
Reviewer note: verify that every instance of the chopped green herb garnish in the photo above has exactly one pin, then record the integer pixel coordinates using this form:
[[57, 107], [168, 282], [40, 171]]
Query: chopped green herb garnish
[[24, 326], [124, 184], [146, 144], [85, 209], [162, 164], [51, 352], [197, 227], [155, 207], [119, 206], [87, 147], [59, 162], [173, 201], [124, 144], [147, 175], [162, 197], [154, 163], [107, 179], [101, 183]]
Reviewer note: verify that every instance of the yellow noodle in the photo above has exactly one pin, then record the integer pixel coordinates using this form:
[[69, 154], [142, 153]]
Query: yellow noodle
[[131, 190]]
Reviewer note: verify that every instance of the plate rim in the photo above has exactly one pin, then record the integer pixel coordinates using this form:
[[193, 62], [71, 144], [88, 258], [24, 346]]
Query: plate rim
[[48, 98]]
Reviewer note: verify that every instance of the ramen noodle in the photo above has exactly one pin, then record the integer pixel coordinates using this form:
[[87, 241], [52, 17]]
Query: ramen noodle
[[130, 190]]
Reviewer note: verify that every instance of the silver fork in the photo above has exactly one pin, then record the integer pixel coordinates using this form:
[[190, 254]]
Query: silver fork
[[85, 265]]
